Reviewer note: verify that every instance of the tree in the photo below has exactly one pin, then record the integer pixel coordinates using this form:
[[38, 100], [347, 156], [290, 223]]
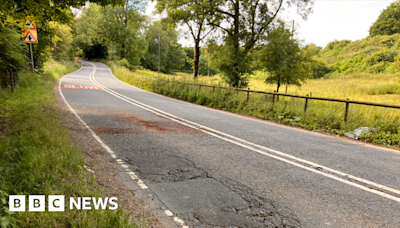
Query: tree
[[388, 22], [194, 14], [189, 59], [316, 65], [126, 34], [206, 66], [313, 50], [283, 59], [172, 54], [124, 40], [244, 23], [13, 55], [62, 42]]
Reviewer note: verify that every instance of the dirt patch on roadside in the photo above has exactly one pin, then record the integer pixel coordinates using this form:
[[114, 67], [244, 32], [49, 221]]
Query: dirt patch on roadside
[[161, 127], [98, 161]]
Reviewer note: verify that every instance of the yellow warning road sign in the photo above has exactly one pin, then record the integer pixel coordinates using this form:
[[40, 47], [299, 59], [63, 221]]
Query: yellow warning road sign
[[28, 28], [30, 38], [29, 24]]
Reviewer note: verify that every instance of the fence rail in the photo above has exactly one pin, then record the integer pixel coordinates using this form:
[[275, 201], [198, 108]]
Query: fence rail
[[275, 94]]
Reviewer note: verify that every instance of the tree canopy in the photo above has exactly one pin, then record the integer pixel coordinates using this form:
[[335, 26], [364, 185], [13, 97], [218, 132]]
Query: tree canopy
[[172, 55], [124, 40], [195, 15], [388, 22], [244, 23], [283, 58]]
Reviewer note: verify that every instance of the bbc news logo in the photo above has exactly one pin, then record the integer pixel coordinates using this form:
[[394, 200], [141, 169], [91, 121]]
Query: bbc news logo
[[56, 203]]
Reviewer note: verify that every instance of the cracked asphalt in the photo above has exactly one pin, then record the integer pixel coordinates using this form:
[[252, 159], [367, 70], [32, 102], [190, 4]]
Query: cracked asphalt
[[209, 182]]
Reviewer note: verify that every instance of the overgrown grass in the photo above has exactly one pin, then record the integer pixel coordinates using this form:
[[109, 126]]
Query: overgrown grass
[[37, 157], [320, 116], [379, 89]]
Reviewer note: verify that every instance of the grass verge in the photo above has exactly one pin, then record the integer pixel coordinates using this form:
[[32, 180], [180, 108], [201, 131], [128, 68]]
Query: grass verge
[[320, 116], [38, 158]]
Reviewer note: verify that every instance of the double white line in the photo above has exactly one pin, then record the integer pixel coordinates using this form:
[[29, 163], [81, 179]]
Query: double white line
[[357, 182]]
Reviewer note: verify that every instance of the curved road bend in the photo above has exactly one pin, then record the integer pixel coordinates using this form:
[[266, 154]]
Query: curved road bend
[[206, 167]]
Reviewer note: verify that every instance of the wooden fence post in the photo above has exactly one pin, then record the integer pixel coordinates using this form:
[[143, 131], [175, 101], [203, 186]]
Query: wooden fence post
[[273, 98], [213, 88], [248, 93], [305, 105], [346, 113]]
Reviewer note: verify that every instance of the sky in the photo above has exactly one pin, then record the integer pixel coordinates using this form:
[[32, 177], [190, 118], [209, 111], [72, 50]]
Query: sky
[[331, 20]]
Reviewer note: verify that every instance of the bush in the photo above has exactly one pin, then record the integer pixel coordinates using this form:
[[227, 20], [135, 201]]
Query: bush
[[124, 63]]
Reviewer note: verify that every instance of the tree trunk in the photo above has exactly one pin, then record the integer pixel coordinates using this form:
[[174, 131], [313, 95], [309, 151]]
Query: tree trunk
[[11, 80], [123, 52], [277, 90], [236, 76], [15, 81], [196, 57], [159, 53]]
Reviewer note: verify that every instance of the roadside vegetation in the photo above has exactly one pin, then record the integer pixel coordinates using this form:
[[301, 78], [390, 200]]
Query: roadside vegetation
[[38, 158]]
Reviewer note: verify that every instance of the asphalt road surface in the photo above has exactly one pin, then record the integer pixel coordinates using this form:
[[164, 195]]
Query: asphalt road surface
[[202, 167]]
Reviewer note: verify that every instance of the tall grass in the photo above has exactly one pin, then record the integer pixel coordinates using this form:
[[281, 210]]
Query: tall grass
[[37, 157], [320, 115]]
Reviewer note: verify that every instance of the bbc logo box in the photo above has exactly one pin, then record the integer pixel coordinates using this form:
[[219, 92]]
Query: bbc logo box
[[56, 203], [37, 203]]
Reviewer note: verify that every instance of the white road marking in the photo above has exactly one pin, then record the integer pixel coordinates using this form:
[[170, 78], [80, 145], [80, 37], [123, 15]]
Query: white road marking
[[244, 143], [168, 213], [141, 184], [178, 220]]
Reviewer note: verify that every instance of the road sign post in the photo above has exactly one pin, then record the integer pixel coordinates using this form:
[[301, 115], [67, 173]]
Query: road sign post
[[29, 35], [33, 64]]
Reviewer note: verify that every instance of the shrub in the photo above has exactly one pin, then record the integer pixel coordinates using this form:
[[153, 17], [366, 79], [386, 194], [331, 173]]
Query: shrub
[[124, 63]]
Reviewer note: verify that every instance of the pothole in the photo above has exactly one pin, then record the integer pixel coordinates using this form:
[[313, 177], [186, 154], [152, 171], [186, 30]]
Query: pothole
[[202, 199]]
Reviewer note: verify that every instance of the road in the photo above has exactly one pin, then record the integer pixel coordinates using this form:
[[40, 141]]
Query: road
[[204, 167]]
